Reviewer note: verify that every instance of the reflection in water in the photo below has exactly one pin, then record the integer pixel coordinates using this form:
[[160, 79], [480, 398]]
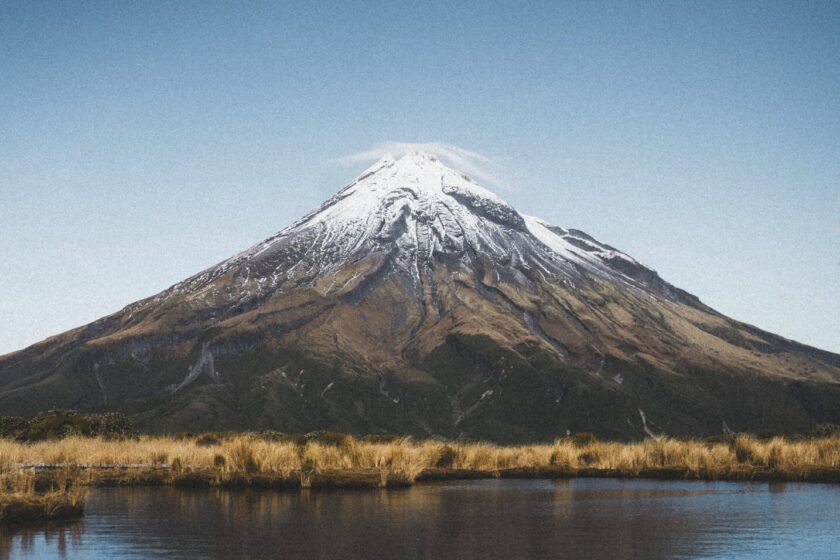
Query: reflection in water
[[486, 519]]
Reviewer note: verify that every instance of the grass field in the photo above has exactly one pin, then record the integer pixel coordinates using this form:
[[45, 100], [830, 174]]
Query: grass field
[[246, 458]]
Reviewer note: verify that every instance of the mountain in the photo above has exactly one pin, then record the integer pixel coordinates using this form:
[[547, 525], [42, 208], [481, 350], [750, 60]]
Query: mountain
[[415, 301]]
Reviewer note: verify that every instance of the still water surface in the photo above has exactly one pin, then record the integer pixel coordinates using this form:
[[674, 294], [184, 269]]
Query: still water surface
[[487, 519]]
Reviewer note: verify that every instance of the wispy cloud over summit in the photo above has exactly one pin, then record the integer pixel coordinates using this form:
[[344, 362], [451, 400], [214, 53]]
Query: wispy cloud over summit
[[475, 164]]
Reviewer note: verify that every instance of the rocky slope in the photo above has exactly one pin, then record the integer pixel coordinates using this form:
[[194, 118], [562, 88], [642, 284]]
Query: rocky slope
[[416, 301]]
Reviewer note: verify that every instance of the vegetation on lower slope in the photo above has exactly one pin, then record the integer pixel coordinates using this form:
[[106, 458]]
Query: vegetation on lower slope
[[56, 424]]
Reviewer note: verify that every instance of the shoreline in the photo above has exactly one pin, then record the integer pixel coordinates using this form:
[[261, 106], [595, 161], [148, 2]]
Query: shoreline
[[334, 461], [34, 492], [133, 476], [39, 509]]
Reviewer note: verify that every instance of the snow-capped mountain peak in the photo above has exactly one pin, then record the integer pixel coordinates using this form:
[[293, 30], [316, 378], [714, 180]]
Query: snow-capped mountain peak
[[416, 301], [407, 212]]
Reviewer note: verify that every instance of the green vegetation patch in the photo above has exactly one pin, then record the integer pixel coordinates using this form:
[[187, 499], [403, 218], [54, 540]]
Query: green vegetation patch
[[58, 424]]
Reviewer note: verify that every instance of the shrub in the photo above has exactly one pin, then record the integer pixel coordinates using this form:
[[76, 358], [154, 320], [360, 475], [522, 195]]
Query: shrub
[[270, 435], [334, 439], [726, 439], [744, 448], [582, 439], [11, 426], [112, 425], [655, 453], [446, 457], [558, 458], [242, 458], [55, 424], [307, 471], [775, 458], [589, 457], [160, 457], [383, 438], [207, 440], [826, 429], [308, 465], [295, 439], [58, 424]]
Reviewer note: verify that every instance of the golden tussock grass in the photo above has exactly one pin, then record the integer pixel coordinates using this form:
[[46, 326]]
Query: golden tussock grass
[[404, 460], [25, 498]]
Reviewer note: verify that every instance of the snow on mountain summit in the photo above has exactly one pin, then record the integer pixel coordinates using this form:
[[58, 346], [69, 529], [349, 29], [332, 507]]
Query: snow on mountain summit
[[407, 211]]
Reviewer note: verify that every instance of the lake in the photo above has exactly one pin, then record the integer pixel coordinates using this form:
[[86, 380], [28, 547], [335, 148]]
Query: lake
[[485, 519]]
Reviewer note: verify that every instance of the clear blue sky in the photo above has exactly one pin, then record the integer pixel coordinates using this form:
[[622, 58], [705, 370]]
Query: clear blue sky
[[142, 142]]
